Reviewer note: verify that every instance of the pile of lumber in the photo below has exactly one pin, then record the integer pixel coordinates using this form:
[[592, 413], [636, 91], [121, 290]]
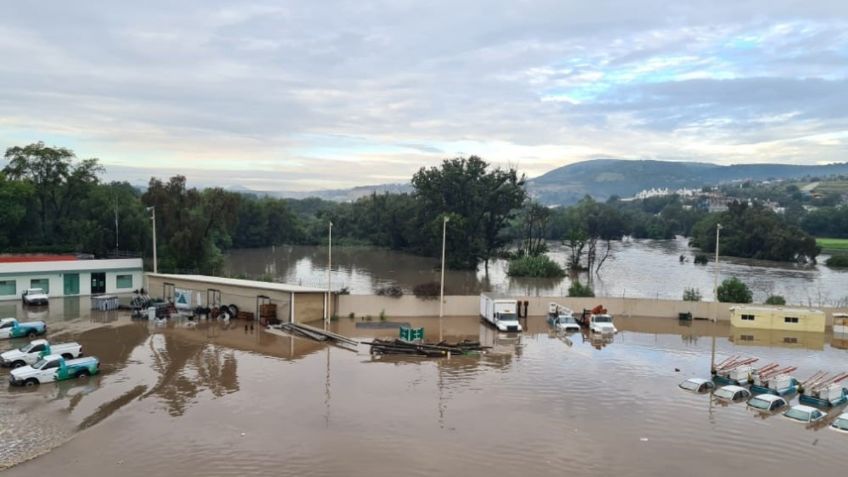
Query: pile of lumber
[[401, 347], [315, 334]]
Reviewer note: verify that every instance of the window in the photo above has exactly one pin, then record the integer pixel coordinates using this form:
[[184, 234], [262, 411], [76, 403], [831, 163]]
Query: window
[[42, 283], [790, 319], [789, 340], [124, 281], [8, 287], [746, 338], [747, 317]]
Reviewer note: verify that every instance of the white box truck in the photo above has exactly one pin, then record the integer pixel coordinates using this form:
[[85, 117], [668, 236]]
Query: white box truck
[[502, 312]]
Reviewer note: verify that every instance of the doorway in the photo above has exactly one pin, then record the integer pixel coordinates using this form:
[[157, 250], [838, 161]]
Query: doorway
[[98, 283], [71, 284]]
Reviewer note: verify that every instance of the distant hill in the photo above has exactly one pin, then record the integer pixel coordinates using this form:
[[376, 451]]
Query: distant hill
[[602, 178], [344, 195]]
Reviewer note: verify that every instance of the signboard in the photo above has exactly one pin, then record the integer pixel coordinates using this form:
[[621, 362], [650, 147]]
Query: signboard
[[182, 298], [412, 334]]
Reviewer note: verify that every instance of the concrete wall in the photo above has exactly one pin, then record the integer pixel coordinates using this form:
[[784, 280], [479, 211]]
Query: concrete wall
[[308, 306], [538, 306]]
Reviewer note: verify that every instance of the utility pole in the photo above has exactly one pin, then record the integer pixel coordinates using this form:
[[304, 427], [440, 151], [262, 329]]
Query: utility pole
[[442, 292], [715, 296], [329, 276], [153, 219]]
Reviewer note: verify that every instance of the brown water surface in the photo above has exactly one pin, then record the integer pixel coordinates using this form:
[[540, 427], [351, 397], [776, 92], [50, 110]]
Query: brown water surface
[[231, 400]]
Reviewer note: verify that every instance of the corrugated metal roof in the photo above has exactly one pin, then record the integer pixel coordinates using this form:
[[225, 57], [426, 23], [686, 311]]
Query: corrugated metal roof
[[238, 282]]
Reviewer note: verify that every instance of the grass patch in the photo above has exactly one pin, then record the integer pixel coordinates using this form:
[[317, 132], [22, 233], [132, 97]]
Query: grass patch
[[832, 243]]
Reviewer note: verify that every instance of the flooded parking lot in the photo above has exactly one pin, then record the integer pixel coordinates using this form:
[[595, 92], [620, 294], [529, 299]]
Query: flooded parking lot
[[230, 400]]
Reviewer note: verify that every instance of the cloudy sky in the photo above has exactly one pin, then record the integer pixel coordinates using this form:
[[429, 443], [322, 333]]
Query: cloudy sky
[[302, 95]]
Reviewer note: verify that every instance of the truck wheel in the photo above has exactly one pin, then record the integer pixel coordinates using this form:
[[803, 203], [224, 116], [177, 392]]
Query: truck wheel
[[18, 364], [31, 334], [31, 382], [67, 356], [83, 374]]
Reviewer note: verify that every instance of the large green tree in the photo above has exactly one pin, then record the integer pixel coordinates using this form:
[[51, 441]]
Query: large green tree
[[478, 200], [59, 182]]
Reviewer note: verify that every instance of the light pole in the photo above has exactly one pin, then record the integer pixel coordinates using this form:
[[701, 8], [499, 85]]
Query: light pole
[[442, 290], [153, 219], [442, 287], [715, 296], [329, 276]]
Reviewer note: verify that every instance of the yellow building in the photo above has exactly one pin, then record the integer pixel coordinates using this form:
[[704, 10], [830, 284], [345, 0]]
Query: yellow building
[[778, 318]]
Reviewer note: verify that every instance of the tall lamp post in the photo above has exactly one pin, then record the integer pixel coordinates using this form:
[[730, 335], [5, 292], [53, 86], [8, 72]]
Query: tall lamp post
[[152, 209], [442, 289], [329, 276], [715, 294]]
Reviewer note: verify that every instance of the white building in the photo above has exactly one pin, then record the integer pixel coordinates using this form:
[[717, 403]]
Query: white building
[[68, 276]]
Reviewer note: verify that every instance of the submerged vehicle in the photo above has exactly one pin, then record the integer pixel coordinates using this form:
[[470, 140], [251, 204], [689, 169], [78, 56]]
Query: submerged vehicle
[[767, 403], [805, 414], [772, 379], [597, 320], [562, 318], [37, 349], [735, 370], [732, 393], [12, 328], [841, 423], [54, 368], [824, 391], [697, 385], [35, 297], [502, 312]]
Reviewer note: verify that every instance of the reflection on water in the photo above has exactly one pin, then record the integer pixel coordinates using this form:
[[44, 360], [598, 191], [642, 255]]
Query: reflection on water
[[786, 339], [227, 400], [643, 268]]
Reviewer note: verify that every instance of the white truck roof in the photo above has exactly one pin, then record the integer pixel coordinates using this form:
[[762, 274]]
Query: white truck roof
[[768, 397], [497, 296]]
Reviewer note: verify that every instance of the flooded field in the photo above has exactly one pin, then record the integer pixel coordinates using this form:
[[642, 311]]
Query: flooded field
[[231, 400], [362, 270]]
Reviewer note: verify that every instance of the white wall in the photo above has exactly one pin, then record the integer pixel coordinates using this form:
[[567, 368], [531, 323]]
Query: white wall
[[57, 283]]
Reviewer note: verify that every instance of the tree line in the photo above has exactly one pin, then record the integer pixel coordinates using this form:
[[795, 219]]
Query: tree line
[[52, 201]]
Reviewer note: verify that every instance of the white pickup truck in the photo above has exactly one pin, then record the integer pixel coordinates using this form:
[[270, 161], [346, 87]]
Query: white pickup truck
[[34, 296], [36, 350]]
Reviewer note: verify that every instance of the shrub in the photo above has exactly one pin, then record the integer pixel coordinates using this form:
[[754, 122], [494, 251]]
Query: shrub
[[733, 290], [382, 315], [390, 291], [427, 291], [839, 260], [691, 294], [775, 300], [701, 259], [534, 266], [577, 289], [351, 315]]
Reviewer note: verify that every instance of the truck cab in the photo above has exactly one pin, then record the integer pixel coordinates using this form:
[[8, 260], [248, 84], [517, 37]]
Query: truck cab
[[54, 367], [602, 324], [12, 328]]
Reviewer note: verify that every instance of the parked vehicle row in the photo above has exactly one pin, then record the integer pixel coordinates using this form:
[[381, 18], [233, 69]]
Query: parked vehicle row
[[765, 403]]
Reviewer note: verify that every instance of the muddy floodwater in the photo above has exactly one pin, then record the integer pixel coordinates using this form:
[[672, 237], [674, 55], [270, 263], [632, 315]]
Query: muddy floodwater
[[234, 401], [637, 268]]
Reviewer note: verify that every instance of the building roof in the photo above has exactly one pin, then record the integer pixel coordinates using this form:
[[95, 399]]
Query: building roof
[[238, 282], [772, 308], [36, 258], [63, 266]]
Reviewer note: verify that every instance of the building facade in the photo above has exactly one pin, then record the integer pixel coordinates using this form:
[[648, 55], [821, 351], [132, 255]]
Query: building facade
[[61, 276]]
